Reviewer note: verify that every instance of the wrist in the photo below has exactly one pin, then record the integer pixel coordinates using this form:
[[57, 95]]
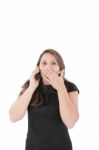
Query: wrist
[[31, 88], [61, 88]]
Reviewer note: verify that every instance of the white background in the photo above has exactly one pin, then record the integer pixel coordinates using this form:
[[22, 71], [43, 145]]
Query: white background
[[70, 27]]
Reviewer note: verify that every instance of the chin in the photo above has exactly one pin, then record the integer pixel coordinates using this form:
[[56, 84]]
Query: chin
[[45, 82]]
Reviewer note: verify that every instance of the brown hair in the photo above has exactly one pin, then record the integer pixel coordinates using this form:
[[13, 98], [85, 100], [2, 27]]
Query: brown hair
[[37, 99]]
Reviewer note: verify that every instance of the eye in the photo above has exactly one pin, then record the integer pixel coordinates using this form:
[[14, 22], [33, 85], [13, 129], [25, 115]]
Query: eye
[[54, 63], [44, 63]]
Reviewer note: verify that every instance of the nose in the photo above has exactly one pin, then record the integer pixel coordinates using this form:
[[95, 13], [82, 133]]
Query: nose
[[49, 66]]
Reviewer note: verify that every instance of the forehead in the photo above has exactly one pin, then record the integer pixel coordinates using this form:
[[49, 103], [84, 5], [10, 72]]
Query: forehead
[[48, 56]]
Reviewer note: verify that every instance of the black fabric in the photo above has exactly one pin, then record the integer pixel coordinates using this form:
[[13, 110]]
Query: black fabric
[[71, 86], [46, 130]]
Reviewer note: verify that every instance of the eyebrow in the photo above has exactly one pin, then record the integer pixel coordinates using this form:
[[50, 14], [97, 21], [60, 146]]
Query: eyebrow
[[46, 60]]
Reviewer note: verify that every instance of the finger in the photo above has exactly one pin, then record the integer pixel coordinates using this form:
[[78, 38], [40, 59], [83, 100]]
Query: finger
[[46, 78], [50, 73], [34, 73], [36, 67], [47, 74]]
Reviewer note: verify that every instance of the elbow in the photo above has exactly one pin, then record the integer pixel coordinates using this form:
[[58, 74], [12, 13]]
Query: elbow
[[70, 125], [14, 117]]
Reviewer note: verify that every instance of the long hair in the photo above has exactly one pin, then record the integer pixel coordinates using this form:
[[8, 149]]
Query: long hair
[[37, 99]]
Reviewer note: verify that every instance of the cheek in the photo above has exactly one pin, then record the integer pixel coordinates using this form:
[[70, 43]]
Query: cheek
[[42, 70], [56, 69]]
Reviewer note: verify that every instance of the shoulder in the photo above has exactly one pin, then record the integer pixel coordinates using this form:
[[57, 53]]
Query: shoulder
[[71, 86]]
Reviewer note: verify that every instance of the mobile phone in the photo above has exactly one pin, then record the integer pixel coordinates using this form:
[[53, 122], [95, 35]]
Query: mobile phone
[[37, 76]]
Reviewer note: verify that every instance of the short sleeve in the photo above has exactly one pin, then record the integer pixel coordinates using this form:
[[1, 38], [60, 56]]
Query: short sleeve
[[71, 86]]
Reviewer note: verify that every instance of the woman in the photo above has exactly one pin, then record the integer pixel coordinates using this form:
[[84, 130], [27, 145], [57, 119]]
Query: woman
[[52, 104]]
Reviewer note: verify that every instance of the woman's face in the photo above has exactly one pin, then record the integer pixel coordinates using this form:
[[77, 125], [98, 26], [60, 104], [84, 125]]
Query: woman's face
[[48, 61]]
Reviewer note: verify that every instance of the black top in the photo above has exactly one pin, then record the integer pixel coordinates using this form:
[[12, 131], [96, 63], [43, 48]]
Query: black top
[[46, 130]]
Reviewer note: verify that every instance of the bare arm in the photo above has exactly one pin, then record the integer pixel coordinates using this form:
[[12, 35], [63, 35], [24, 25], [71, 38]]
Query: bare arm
[[68, 102], [68, 106], [19, 107]]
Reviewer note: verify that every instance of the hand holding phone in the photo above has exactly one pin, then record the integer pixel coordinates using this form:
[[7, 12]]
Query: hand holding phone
[[34, 78], [37, 76]]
